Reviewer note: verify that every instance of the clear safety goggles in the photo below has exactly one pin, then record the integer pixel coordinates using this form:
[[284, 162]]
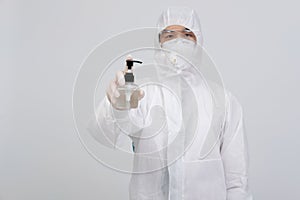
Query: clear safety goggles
[[166, 35]]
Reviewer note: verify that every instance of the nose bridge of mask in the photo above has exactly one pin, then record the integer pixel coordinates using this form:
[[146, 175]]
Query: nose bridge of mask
[[178, 43]]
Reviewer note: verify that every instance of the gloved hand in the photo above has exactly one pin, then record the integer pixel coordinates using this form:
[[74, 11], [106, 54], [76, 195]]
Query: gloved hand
[[113, 94]]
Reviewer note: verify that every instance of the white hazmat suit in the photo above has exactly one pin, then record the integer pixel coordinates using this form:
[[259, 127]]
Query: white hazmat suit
[[171, 170]]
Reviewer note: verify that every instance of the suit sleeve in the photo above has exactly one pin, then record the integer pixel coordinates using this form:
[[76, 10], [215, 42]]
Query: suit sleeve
[[234, 152], [112, 127]]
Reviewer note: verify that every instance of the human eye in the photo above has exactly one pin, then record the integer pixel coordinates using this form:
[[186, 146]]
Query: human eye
[[169, 36], [189, 35]]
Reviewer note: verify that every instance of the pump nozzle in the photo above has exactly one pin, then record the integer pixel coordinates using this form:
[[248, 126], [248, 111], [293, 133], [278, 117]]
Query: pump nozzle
[[129, 77], [129, 63]]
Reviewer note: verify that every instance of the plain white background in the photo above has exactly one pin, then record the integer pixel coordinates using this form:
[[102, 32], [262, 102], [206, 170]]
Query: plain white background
[[255, 45]]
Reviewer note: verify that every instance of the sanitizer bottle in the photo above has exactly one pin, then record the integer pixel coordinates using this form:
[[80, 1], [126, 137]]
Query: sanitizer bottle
[[129, 92]]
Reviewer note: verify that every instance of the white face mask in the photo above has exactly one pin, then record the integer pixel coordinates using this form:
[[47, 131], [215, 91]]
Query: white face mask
[[180, 46]]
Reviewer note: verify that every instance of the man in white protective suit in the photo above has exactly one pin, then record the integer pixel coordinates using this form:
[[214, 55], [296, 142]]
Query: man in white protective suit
[[187, 132]]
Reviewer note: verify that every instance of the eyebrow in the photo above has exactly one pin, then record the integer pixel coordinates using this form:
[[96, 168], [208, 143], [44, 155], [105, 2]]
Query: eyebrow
[[168, 31]]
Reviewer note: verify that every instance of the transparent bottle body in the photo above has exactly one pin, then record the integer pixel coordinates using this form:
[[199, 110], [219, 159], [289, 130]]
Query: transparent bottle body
[[128, 96]]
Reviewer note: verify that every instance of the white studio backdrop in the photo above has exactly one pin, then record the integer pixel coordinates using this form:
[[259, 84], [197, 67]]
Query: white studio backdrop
[[255, 45]]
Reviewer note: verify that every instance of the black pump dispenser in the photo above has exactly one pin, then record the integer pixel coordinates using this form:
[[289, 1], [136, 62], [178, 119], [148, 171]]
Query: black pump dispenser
[[129, 77]]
